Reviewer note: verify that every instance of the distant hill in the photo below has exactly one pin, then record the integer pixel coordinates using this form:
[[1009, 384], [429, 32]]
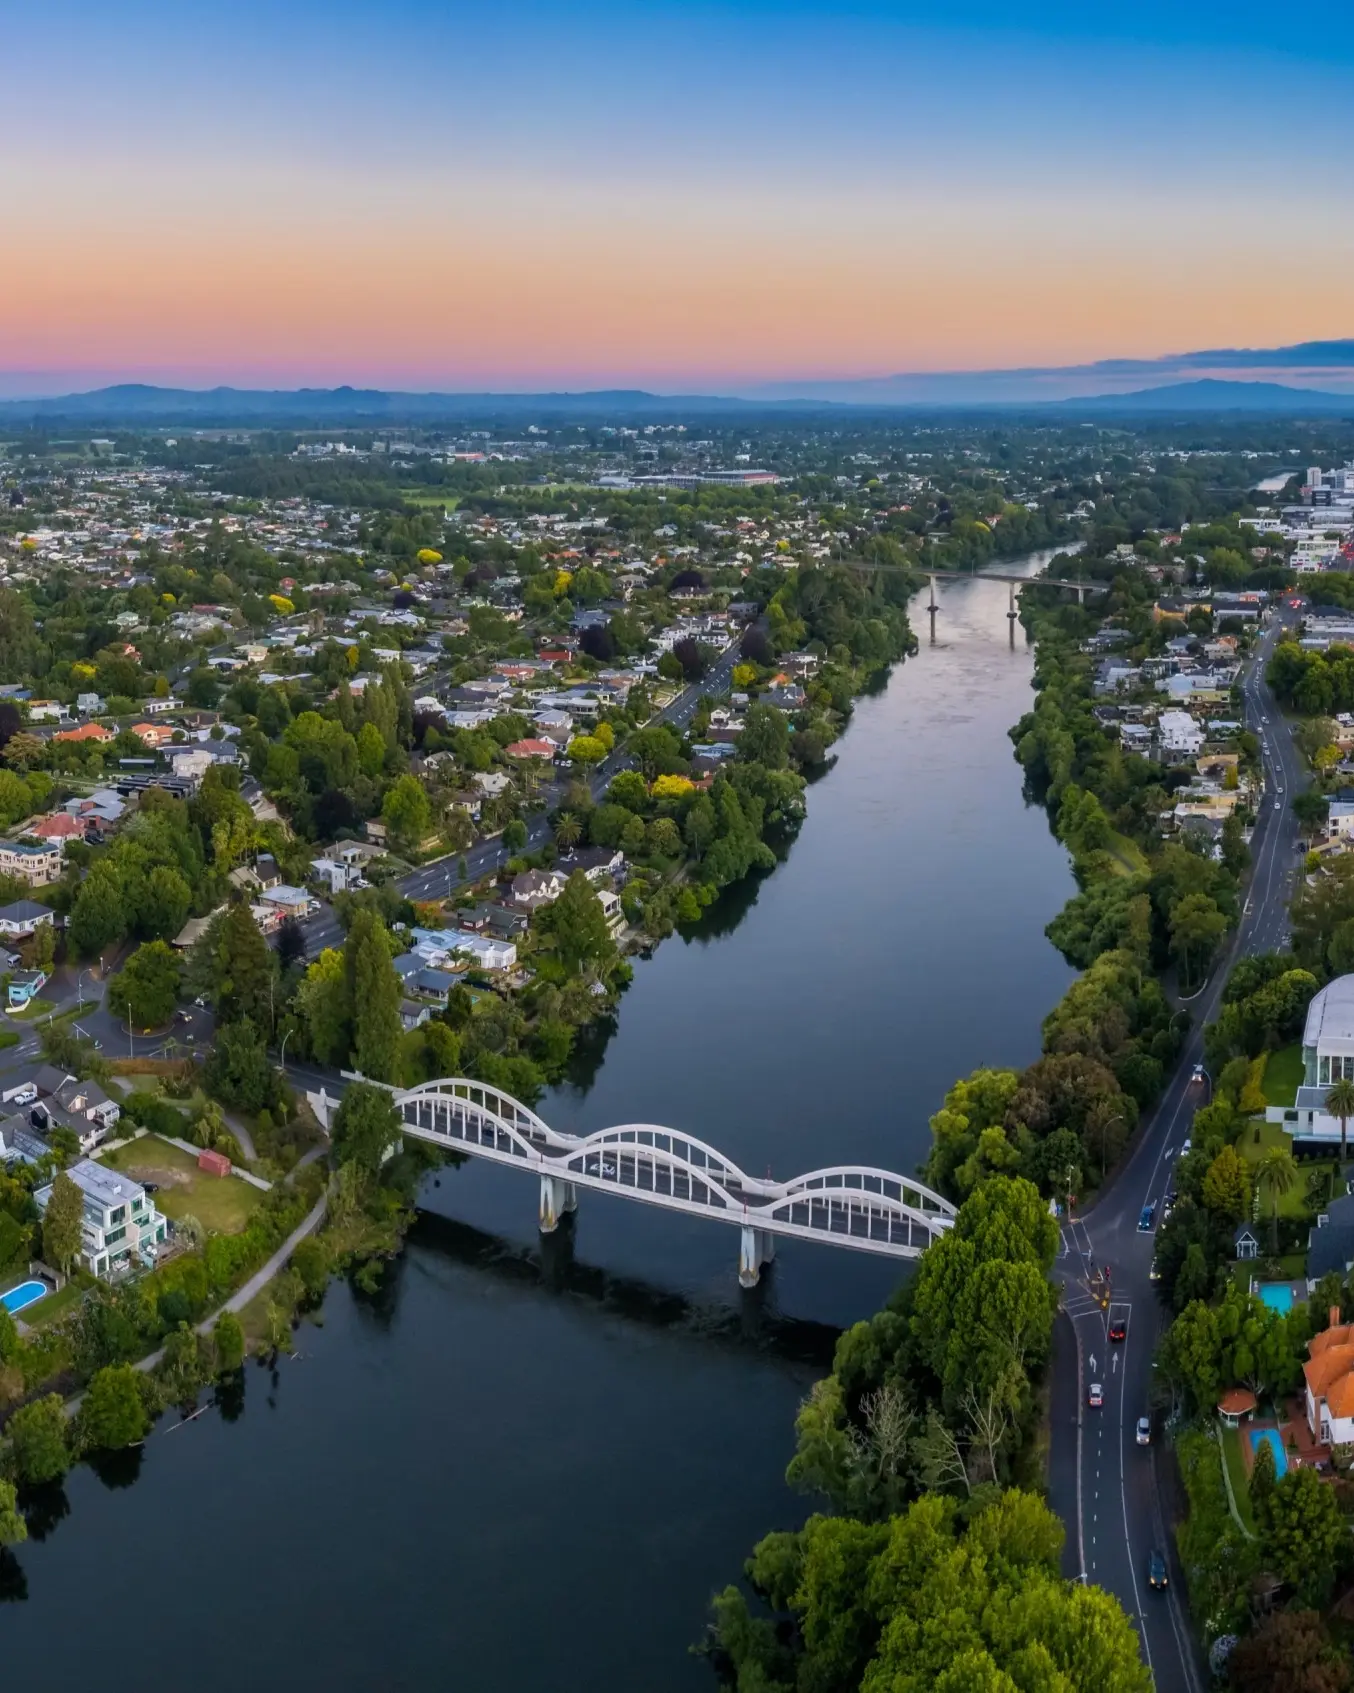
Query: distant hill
[[1212, 394], [138, 405]]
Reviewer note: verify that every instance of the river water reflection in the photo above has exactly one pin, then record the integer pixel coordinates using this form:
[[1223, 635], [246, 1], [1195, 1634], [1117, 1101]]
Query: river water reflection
[[516, 1470]]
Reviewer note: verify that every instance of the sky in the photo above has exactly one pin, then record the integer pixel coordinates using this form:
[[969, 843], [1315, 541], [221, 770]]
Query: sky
[[692, 198]]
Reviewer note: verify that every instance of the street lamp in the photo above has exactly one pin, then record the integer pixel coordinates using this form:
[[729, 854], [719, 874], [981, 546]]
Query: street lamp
[[282, 1055]]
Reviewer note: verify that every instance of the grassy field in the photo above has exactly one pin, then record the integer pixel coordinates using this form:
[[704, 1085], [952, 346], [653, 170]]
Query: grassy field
[[1283, 1073], [1236, 1472], [35, 1008], [54, 1305], [1258, 1138], [1127, 855], [222, 1204], [430, 497]]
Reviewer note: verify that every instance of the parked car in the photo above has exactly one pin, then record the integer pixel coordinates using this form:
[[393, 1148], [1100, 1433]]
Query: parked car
[[25, 1095], [1154, 1274], [1187, 1147], [1144, 1431], [1167, 1206], [1096, 1397], [1156, 1569]]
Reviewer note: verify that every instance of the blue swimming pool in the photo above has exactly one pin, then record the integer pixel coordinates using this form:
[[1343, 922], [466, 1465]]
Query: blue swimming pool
[[1277, 1295], [21, 1297], [1270, 1438]]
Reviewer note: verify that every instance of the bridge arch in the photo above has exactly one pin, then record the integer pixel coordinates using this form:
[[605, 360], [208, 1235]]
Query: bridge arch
[[858, 1206]]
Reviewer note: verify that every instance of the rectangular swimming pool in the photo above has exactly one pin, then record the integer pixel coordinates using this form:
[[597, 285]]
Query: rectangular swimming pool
[[1270, 1437], [1277, 1295], [21, 1297]]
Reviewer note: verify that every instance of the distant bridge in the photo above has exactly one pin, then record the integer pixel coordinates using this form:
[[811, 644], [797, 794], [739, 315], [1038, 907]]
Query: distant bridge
[[856, 1206]]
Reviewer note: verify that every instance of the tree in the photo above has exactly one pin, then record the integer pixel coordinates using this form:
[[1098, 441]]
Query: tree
[[765, 738], [13, 1529], [1196, 926], [228, 1338], [407, 813], [568, 829], [577, 925], [146, 989], [238, 1071], [1340, 1103], [241, 968], [1276, 1174], [291, 944], [373, 997], [113, 1412], [587, 749], [366, 1125], [99, 915], [36, 1438], [164, 903], [311, 1263], [1290, 1652], [1306, 1542], [62, 1230], [1264, 1479], [515, 835], [1227, 1186]]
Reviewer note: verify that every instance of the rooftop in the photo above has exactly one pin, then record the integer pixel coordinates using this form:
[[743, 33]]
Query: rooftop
[[1330, 1018]]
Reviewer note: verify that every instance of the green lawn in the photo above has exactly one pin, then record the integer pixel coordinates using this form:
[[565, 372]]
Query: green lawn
[[1236, 1471], [54, 1305], [1283, 1074], [1128, 856], [8, 1037], [222, 1204], [1259, 1137], [429, 497]]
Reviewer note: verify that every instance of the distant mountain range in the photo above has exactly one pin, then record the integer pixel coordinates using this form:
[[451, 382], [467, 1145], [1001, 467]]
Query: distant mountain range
[[1276, 380]]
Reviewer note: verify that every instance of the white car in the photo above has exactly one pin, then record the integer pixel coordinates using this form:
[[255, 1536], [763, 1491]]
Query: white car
[[1186, 1147], [1096, 1397], [1144, 1431]]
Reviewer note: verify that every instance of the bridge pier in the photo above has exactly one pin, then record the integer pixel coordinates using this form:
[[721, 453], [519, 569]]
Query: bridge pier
[[1012, 615], [932, 609], [757, 1247], [557, 1198]]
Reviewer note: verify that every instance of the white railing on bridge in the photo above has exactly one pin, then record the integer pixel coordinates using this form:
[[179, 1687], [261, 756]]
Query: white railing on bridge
[[856, 1206]]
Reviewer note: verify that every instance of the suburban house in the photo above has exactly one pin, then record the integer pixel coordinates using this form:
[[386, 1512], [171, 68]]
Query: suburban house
[[81, 1106], [439, 946], [1179, 733], [1330, 1242], [1327, 1055], [598, 864], [337, 875], [86, 732], [1329, 1392], [19, 919], [534, 888], [34, 862], [120, 1226], [25, 986]]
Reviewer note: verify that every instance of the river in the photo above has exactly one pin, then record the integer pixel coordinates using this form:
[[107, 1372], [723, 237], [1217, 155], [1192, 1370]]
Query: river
[[517, 1469]]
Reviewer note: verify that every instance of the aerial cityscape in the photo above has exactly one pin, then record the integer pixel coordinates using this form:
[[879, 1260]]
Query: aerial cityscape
[[676, 850]]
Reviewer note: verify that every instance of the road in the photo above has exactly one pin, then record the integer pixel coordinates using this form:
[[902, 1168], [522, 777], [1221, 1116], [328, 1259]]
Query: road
[[436, 881], [1105, 1487]]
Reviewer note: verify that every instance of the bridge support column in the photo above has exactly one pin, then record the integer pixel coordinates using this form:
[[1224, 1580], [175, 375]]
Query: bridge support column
[[932, 609], [1012, 615], [757, 1247], [557, 1197]]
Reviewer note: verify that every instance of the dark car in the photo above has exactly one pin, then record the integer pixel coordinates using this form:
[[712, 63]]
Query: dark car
[[1156, 1569], [1118, 1329], [1146, 1219], [182, 1016]]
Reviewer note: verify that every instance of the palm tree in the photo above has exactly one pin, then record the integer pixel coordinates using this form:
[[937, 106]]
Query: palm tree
[[1277, 1172], [568, 830], [1340, 1103]]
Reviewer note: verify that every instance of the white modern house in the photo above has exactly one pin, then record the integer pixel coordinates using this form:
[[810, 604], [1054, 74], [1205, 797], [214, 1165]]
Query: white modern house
[[121, 1228], [1179, 733], [1327, 1055]]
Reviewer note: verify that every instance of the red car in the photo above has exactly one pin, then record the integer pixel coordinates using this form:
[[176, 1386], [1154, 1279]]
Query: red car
[[1118, 1329]]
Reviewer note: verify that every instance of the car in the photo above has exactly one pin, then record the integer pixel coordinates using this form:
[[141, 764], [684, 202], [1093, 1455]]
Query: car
[[1186, 1147], [25, 1096], [1154, 1274], [608, 1168], [1118, 1329], [1095, 1398], [1197, 1074], [1278, 805], [150, 1187], [1146, 1218], [1144, 1431], [1156, 1569], [200, 1002], [182, 1016], [1167, 1206]]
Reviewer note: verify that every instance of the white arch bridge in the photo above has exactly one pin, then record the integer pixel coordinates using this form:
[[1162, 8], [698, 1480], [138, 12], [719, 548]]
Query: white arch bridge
[[849, 1205]]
